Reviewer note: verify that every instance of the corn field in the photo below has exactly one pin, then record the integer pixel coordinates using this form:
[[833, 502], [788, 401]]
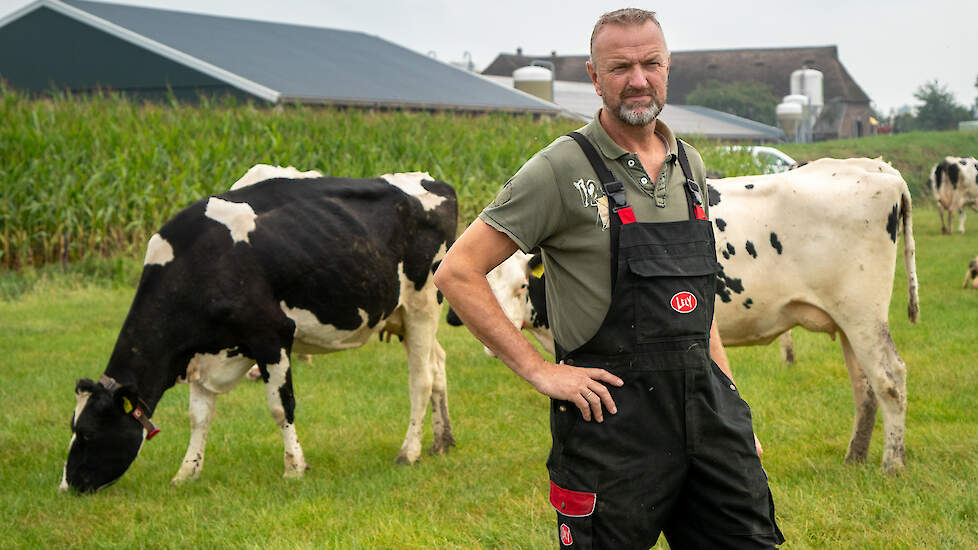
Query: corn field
[[98, 174]]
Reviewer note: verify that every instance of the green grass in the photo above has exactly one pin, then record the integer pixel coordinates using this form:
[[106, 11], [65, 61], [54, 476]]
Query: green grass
[[490, 491]]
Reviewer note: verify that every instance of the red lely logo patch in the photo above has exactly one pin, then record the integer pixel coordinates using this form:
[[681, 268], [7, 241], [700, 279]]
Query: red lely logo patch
[[683, 302], [565, 535]]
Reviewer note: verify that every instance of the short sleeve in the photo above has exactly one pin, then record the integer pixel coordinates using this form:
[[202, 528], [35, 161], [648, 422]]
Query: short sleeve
[[529, 207]]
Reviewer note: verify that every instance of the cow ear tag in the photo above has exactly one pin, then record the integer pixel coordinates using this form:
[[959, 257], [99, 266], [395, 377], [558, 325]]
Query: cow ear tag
[[127, 405]]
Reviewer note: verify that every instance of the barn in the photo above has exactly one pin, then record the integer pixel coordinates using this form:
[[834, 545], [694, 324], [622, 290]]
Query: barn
[[846, 113], [82, 46]]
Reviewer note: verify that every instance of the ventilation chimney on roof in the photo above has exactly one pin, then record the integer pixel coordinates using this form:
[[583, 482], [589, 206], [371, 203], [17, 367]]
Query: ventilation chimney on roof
[[519, 51]]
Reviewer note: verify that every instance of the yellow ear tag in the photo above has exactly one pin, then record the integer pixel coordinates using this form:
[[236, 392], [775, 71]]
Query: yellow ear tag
[[537, 271], [126, 405]]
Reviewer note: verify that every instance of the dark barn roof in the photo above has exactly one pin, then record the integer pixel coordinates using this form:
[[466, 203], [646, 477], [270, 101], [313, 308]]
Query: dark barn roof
[[83, 45], [772, 66]]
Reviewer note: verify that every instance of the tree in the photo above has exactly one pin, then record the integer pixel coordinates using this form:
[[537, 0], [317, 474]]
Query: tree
[[974, 110], [752, 100], [939, 111]]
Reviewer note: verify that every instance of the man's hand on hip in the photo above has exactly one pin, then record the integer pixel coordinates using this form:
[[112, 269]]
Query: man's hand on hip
[[580, 385]]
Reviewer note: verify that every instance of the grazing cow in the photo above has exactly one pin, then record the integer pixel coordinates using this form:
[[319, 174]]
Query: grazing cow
[[262, 172], [816, 247], [954, 184], [253, 275], [971, 276]]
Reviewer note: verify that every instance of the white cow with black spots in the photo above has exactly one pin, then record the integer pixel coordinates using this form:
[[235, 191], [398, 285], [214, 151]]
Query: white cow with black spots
[[954, 185], [252, 275], [816, 247]]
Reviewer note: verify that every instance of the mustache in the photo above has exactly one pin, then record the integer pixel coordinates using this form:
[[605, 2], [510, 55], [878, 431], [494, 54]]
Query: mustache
[[631, 92]]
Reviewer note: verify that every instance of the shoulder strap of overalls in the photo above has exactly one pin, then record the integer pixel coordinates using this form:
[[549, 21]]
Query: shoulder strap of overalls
[[696, 204], [613, 189]]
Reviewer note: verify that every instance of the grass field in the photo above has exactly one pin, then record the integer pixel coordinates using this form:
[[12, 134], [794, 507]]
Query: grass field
[[490, 492]]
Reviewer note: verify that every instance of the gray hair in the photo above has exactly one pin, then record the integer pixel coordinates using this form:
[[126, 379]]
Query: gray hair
[[623, 17]]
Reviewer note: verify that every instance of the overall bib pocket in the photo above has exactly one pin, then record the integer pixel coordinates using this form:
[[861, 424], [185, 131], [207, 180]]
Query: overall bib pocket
[[672, 296]]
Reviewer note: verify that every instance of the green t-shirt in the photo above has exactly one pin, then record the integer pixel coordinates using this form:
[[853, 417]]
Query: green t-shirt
[[553, 203]]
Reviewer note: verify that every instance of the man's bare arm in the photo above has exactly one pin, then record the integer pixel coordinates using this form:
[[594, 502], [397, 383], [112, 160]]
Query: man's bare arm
[[461, 277]]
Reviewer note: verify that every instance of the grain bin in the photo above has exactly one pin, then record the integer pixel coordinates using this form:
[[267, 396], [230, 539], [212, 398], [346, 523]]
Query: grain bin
[[790, 117], [808, 82], [535, 80]]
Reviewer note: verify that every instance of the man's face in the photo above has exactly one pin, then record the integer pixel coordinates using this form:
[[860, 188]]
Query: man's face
[[630, 69]]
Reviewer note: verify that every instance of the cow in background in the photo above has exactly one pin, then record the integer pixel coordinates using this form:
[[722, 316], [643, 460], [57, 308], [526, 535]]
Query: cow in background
[[251, 276], [814, 247], [971, 276], [954, 185], [519, 286]]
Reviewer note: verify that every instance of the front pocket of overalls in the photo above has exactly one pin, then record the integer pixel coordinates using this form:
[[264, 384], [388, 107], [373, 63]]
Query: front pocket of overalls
[[673, 296]]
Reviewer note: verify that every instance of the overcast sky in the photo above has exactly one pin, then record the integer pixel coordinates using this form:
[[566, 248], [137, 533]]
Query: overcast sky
[[890, 48]]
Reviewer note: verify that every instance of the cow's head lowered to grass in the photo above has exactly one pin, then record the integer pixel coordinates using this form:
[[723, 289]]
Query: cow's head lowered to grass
[[108, 428]]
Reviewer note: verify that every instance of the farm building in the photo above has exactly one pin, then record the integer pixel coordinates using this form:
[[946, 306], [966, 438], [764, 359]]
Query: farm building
[[846, 113], [82, 46]]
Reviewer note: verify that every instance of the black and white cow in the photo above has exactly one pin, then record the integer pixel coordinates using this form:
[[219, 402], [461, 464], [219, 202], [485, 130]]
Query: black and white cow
[[519, 285], [251, 276], [954, 185], [971, 276], [813, 247]]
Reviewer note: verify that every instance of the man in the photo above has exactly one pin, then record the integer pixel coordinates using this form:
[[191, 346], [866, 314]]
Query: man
[[630, 262]]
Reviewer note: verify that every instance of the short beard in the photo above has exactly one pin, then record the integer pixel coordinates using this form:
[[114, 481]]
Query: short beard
[[642, 117]]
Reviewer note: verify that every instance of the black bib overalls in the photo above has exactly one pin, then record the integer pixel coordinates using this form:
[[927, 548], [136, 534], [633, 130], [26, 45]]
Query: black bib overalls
[[679, 455]]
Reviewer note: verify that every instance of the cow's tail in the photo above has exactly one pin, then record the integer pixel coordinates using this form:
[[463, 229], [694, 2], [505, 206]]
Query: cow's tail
[[906, 210]]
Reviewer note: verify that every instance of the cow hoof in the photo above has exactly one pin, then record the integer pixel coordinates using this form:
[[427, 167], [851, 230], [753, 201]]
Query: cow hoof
[[442, 445], [403, 459], [178, 481], [296, 473], [854, 459], [894, 469], [894, 464]]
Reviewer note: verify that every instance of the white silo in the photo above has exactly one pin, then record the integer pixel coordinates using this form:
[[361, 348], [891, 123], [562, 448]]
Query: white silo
[[795, 110], [535, 80], [808, 82], [790, 116]]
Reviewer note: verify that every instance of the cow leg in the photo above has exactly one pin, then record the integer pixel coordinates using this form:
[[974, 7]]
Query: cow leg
[[281, 403], [419, 339], [440, 423], [201, 413], [865, 406], [940, 212], [961, 218], [886, 373], [787, 343]]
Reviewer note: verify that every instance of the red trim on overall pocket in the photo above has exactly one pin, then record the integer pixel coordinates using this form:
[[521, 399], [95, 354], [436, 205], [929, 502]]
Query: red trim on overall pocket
[[626, 215], [575, 504], [700, 213]]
